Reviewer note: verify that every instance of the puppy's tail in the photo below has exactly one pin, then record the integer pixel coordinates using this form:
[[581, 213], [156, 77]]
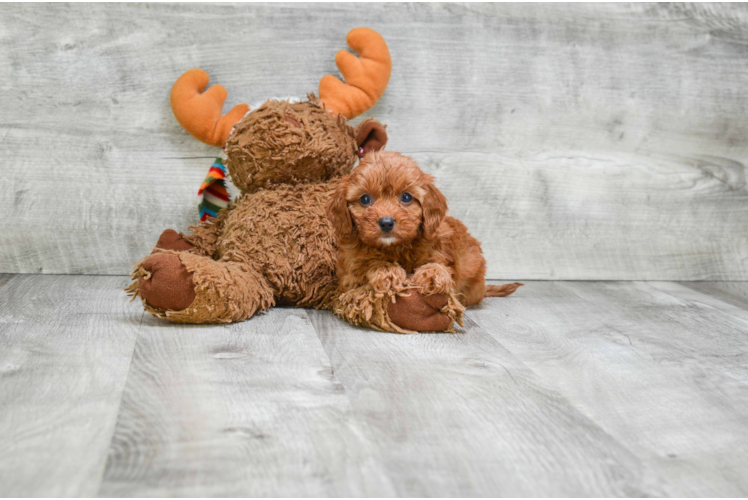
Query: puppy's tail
[[502, 290]]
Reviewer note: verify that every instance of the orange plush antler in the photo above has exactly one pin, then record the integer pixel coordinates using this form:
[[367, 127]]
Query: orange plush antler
[[199, 113], [366, 77]]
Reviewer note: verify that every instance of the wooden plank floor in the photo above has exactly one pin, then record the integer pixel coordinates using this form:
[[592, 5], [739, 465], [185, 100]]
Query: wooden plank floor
[[566, 388]]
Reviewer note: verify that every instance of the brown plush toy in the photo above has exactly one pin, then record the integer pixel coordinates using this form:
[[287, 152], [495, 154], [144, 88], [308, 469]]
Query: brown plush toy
[[275, 244]]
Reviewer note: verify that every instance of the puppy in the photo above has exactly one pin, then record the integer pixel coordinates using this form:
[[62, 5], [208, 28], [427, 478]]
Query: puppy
[[393, 232]]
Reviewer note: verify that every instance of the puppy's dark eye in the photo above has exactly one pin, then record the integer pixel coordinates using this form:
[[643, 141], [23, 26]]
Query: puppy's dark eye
[[406, 198], [365, 200]]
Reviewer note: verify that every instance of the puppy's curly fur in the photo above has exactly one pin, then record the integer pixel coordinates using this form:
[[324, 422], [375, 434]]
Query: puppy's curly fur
[[393, 232]]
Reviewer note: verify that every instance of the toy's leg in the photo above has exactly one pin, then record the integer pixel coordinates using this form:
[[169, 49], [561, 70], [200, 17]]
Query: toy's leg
[[187, 288], [205, 235], [431, 305], [202, 241], [364, 307], [172, 240], [400, 311], [426, 313]]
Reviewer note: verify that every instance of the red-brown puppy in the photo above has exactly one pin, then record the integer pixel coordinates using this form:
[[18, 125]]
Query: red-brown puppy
[[391, 222]]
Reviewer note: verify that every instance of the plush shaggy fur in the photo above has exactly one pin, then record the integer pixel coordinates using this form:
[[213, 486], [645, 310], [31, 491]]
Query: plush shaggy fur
[[290, 143], [394, 233], [275, 244]]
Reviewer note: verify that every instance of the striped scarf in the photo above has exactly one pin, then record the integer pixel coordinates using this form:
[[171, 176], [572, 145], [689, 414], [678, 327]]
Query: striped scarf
[[213, 196]]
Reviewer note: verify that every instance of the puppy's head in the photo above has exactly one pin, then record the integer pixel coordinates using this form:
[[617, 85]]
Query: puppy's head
[[387, 200]]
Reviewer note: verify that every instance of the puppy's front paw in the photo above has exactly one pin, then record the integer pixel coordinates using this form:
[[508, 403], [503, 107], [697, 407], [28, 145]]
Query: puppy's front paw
[[387, 279], [433, 279]]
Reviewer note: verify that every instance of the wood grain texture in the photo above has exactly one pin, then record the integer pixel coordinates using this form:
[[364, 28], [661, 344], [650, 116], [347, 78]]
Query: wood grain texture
[[585, 141], [66, 347], [565, 216], [657, 371], [713, 332], [732, 292], [563, 389], [458, 415], [250, 409]]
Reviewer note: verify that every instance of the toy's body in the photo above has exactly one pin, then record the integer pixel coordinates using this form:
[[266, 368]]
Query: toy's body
[[275, 244]]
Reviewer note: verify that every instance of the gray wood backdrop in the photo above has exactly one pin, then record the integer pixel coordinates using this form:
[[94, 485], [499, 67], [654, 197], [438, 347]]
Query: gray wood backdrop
[[588, 141]]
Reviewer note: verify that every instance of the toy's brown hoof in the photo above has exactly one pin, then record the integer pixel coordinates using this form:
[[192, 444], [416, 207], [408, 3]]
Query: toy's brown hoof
[[169, 285], [420, 312], [171, 240]]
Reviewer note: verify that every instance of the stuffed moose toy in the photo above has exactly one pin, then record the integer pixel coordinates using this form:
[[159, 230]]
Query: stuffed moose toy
[[275, 243]]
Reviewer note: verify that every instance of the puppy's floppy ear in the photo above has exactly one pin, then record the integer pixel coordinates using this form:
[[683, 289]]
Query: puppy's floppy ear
[[337, 211], [434, 206], [370, 136]]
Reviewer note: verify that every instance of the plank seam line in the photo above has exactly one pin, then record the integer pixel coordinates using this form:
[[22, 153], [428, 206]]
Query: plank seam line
[[366, 430], [119, 405]]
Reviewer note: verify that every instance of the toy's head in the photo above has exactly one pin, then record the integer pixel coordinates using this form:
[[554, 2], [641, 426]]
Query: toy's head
[[282, 142], [293, 142]]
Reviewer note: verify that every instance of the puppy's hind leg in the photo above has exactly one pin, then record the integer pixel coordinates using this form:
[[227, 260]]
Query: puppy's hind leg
[[471, 284], [472, 291]]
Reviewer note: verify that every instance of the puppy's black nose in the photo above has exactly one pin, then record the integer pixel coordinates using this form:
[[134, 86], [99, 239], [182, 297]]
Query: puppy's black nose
[[386, 224]]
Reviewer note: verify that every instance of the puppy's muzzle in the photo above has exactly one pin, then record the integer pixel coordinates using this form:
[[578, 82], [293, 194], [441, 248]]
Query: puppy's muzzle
[[386, 224]]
